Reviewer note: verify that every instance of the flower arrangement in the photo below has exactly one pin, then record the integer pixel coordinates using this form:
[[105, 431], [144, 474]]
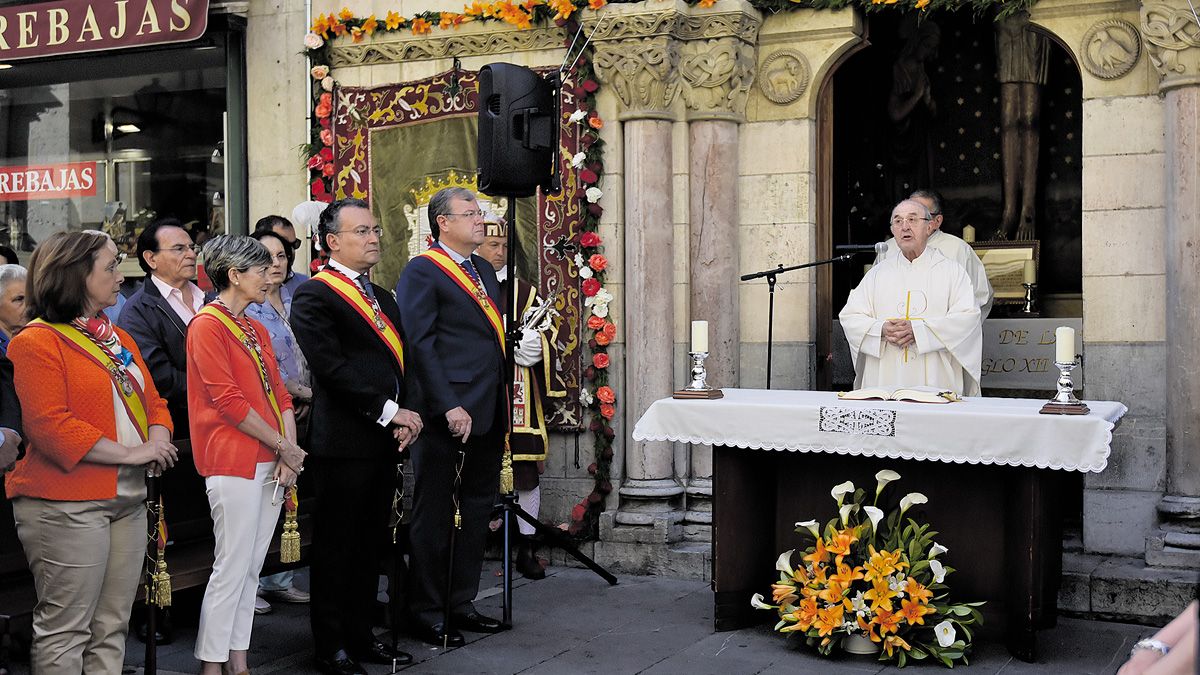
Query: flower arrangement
[[872, 576]]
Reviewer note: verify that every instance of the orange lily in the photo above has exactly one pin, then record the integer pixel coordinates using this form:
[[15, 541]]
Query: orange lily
[[840, 582], [345, 14], [887, 620], [596, 4], [782, 594], [922, 4], [869, 629], [882, 564], [914, 612], [707, 3], [421, 26], [894, 641], [917, 592], [841, 542], [356, 34], [393, 20], [819, 554], [320, 26], [880, 595], [370, 25], [803, 615], [338, 28], [563, 9], [829, 620]]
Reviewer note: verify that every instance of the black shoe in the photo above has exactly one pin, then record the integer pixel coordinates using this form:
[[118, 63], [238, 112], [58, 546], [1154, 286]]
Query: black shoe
[[164, 627], [381, 652], [339, 663], [436, 635], [475, 622], [527, 562]]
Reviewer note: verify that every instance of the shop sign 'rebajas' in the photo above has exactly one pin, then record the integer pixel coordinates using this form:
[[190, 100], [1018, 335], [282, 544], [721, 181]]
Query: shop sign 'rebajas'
[[72, 26], [52, 181]]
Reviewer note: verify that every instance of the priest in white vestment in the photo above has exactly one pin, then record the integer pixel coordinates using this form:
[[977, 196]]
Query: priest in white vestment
[[914, 320], [953, 248]]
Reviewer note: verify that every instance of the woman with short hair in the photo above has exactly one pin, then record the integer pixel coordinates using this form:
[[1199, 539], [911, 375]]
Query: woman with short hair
[[243, 442], [95, 425], [12, 303]]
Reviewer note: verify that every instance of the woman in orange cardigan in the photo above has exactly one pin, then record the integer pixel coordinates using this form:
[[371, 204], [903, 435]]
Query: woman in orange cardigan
[[95, 426], [243, 442]]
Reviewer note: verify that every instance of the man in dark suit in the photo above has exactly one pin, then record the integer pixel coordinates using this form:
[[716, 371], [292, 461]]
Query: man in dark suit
[[449, 309], [349, 330]]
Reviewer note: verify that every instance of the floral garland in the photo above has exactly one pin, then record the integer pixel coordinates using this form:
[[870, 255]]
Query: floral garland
[[1003, 7], [591, 263]]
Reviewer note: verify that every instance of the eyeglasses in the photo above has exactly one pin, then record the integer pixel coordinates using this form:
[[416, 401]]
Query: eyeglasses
[[466, 214], [180, 249], [907, 220], [112, 266], [363, 231]]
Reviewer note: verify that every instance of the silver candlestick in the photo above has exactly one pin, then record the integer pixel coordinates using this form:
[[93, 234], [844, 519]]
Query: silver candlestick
[[698, 387], [1065, 402], [1030, 300]]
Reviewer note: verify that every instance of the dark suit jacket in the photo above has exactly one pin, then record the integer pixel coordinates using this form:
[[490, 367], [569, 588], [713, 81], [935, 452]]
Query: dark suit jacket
[[353, 372], [162, 337], [10, 407], [455, 355]]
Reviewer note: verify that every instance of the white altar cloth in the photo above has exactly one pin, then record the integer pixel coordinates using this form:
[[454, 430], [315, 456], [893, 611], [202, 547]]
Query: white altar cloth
[[1003, 431]]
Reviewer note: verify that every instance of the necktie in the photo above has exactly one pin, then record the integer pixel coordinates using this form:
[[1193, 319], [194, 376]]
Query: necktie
[[469, 268], [366, 286]]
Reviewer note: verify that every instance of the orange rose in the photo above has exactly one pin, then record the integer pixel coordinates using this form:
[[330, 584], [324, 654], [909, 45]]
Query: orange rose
[[606, 394], [597, 262], [595, 322], [600, 360], [323, 110], [609, 329], [596, 4], [595, 122], [326, 99], [607, 411], [602, 339]]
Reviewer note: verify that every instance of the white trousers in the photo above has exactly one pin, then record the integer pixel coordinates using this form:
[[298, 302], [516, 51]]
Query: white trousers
[[243, 523], [531, 502]]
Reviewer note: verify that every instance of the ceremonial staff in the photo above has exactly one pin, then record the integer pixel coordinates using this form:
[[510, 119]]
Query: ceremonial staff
[[455, 495], [158, 581], [395, 583]]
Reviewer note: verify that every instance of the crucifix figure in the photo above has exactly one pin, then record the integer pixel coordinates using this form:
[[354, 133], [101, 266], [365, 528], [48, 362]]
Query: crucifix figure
[[1022, 59]]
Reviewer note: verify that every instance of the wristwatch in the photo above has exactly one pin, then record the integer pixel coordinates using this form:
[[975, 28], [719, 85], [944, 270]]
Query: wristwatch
[[1150, 644]]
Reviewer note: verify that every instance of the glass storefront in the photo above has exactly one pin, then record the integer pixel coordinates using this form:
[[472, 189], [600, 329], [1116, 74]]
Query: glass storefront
[[115, 140]]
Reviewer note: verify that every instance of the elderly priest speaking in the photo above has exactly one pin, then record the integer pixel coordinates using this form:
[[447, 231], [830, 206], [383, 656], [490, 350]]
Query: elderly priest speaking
[[913, 320]]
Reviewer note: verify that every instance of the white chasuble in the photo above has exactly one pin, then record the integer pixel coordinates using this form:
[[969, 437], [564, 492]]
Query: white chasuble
[[936, 295]]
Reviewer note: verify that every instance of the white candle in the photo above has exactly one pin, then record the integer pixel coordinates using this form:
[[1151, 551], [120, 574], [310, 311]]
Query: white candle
[[700, 336], [968, 234], [1064, 344], [1030, 273]]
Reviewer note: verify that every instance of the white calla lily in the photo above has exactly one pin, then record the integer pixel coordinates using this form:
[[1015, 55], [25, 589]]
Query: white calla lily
[[810, 525], [784, 563], [945, 633], [912, 498], [936, 550], [840, 491], [875, 515], [883, 478], [939, 571], [845, 512], [757, 602]]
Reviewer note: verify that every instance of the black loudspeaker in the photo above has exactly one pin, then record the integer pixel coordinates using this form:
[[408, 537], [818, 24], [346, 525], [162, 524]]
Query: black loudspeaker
[[518, 131]]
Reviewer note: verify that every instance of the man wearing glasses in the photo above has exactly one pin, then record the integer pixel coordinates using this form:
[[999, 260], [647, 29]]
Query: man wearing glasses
[[449, 304], [913, 320], [953, 248], [157, 314]]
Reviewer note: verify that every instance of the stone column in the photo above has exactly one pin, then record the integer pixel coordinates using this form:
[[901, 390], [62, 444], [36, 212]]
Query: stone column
[[717, 74], [1169, 32], [643, 73]]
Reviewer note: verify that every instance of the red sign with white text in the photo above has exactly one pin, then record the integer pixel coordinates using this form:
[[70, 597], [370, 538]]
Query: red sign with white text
[[29, 30], [52, 181]]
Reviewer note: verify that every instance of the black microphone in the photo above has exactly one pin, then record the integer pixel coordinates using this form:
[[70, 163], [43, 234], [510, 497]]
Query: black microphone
[[878, 249]]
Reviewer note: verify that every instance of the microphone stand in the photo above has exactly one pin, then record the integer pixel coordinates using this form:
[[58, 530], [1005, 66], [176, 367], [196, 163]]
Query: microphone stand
[[771, 275]]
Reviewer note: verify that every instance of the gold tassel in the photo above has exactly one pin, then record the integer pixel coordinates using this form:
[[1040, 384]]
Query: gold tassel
[[506, 469], [162, 582], [289, 541], [457, 518]]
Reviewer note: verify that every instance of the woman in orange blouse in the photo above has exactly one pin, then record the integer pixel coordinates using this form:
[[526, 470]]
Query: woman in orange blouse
[[243, 442], [95, 426]]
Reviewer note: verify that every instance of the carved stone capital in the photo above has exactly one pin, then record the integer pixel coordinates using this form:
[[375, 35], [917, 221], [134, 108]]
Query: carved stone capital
[[464, 42], [717, 74], [643, 72], [1172, 36]]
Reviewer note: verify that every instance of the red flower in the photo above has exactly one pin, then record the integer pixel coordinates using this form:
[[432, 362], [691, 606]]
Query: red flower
[[596, 210], [588, 176], [326, 99], [588, 140], [318, 187], [606, 394], [327, 154], [324, 122], [589, 240], [591, 286], [597, 262], [604, 487], [595, 323], [607, 453], [327, 170], [315, 162], [590, 86], [594, 498], [609, 434], [600, 360], [578, 512], [607, 411], [601, 339], [610, 329], [327, 136], [592, 468], [327, 198], [579, 92]]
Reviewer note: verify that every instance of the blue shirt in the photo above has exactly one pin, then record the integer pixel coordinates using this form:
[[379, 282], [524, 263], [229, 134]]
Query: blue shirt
[[293, 368]]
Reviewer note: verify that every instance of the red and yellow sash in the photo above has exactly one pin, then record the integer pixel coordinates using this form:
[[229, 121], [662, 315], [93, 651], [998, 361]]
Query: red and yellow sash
[[472, 288], [133, 398], [240, 335], [354, 296]]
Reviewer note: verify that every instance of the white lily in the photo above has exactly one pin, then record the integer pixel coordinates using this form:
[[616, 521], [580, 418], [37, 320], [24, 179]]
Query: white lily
[[936, 550], [586, 398], [840, 491], [912, 498], [603, 295], [586, 272], [883, 478], [578, 159], [845, 512], [810, 525], [875, 515], [576, 117], [600, 309], [945, 633], [858, 604], [757, 602], [784, 563], [593, 194], [939, 571]]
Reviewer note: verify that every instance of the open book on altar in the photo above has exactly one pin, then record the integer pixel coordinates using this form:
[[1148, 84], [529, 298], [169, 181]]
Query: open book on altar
[[920, 394]]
